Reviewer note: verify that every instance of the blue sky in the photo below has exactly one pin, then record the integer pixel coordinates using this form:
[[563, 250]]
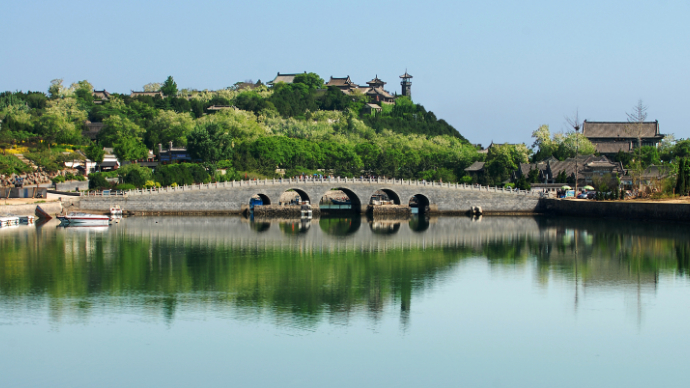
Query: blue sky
[[495, 70]]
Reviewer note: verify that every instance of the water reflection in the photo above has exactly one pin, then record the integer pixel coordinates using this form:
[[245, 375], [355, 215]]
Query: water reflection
[[419, 223], [340, 226], [385, 226], [304, 273]]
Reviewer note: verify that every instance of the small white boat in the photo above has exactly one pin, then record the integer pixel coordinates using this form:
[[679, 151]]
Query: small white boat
[[84, 218], [116, 210], [305, 210], [8, 220]]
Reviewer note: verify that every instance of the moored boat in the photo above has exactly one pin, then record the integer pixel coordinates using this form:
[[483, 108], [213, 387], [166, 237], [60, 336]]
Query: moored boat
[[84, 218], [8, 220], [40, 213], [27, 219], [305, 210], [116, 210], [341, 201]]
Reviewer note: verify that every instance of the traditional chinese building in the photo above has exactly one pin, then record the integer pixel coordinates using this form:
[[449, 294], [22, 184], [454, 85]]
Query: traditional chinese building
[[611, 137], [285, 78]]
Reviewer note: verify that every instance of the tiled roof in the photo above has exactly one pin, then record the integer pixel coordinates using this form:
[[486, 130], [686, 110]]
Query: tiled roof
[[613, 147], [152, 94], [654, 171], [475, 167], [526, 167], [340, 81], [287, 78], [596, 129], [584, 162], [376, 81], [378, 91]]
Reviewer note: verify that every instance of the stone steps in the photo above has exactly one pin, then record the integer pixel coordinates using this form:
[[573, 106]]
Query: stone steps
[[26, 161]]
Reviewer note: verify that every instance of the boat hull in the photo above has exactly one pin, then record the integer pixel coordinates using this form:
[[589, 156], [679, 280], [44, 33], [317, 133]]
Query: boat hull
[[40, 213]]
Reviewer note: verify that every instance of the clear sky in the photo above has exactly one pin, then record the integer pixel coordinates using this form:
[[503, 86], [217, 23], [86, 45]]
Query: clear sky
[[495, 70]]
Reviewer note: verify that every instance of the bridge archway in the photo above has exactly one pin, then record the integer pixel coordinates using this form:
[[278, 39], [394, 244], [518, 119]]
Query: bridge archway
[[340, 199], [421, 202], [258, 200], [286, 198], [386, 193]]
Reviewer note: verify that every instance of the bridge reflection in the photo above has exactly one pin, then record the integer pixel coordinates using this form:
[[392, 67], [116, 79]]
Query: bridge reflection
[[327, 267]]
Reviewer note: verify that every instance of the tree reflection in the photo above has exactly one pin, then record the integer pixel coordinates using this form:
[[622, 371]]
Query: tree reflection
[[309, 280]]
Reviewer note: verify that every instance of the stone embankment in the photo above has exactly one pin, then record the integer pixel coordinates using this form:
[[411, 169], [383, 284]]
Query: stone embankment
[[51, 207], [278, 211], [661, 211], [397, 211]]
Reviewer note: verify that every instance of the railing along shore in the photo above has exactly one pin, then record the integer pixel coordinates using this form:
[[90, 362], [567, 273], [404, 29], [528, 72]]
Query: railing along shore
[[293, 181]]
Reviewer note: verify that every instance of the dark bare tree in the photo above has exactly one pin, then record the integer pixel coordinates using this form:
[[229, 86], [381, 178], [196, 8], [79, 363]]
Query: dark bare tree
[[636, 118], [575, 123]]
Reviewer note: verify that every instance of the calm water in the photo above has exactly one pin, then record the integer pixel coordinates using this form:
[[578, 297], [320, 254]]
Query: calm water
[[450, 302]]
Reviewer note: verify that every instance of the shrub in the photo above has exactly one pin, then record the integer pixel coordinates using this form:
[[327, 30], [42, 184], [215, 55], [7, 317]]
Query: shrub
[[182, 174], [224, 164], [135, 174], [10, 164], [69, 177], [80, 178], [44, 159], [58, 179], [98, 181], [151, 184], [125, 186], [466, 179]]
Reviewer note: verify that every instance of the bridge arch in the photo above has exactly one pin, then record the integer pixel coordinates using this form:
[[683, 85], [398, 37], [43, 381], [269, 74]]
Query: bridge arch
[[355, 200], [421, 202], [302, 194], [392, 195], [265, 200]]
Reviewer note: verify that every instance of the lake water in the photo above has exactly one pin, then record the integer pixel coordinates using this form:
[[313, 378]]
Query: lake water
[[446, 302]]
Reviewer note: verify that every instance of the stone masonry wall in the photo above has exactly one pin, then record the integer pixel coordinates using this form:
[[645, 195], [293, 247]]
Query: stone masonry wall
[[229, 199], [617, 209]]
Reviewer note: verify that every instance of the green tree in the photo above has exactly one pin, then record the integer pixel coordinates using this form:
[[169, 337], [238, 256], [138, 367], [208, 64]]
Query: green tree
[[169, 87], [312, 80], [681, 182], [153, 86], [95, 153], [169, 126], [130, 148], [209, 143], [116, 128], [134, 174]]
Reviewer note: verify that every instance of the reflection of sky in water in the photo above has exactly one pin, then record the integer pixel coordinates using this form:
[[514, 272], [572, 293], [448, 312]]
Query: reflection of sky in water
[[450, 301]]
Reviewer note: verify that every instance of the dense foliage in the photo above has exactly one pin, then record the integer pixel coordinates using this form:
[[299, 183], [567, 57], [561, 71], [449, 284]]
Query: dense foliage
[[296, 127]]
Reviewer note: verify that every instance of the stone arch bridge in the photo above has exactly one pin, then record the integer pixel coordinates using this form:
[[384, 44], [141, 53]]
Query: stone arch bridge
[[233, 197]]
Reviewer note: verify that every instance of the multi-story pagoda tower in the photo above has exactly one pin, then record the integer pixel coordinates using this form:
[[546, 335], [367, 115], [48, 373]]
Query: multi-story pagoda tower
[[406, 85]]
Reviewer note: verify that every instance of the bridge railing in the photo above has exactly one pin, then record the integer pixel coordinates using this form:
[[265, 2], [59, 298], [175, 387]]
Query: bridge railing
[[329, 180]]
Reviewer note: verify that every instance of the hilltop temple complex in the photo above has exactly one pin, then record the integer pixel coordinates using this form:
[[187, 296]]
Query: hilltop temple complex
[[374, 88]]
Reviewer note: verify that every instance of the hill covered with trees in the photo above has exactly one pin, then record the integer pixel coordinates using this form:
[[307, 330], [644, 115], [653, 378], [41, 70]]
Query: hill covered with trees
[[299, 127]]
